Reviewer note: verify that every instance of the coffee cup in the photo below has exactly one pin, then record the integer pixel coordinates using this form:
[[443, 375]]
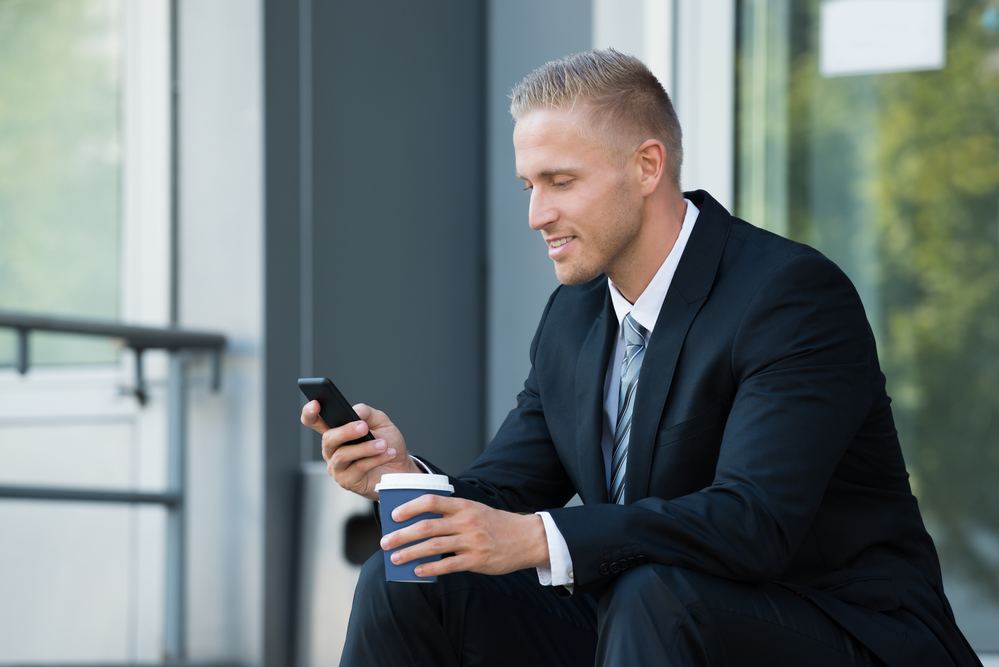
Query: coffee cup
[[397, 489]]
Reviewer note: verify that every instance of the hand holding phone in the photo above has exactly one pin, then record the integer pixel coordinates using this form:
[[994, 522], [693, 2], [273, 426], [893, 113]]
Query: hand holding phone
[[334, 409], [358, 464]]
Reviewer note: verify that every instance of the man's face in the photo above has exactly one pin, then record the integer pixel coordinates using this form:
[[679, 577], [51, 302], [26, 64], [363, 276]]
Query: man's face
[[584, 201]]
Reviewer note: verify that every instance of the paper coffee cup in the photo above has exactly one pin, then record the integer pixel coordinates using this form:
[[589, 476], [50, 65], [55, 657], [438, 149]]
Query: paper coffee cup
[[397, 489]]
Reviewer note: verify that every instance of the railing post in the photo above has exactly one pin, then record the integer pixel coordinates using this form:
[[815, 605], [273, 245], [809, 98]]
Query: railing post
[[139, 339], [22, 351], [175, 649]]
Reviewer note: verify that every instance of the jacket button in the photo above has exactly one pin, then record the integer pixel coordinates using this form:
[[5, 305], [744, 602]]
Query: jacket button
[[615, 568], [604, 568], [642, 560], [624, 564], [632, 562]]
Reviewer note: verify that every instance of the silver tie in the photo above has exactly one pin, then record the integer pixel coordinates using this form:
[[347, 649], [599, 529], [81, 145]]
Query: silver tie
[[635, 337]]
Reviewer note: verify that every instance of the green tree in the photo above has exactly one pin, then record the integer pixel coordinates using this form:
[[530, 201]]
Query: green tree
[[896, 178], [60, 166]]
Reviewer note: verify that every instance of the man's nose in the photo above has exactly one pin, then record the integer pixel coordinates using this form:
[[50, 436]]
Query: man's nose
[[540, 214]]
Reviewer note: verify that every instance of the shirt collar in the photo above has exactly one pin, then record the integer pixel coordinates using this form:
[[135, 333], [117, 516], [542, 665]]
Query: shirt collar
[[645, 311]]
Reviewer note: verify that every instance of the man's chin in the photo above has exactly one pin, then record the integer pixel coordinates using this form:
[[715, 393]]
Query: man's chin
[[573, 275]]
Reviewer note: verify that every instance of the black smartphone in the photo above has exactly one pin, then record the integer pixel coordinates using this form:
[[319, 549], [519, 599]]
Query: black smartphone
[[333, 407]]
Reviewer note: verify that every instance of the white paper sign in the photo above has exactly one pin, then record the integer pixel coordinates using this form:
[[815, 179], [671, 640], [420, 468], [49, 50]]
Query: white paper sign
[[881, 36]]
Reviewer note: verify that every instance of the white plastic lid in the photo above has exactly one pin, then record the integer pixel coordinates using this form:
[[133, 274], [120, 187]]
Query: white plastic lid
[[410, 480]]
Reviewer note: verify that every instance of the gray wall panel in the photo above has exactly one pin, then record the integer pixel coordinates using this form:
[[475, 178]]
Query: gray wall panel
[[282, 313], [373, 239], [398, 216], [523, 35]]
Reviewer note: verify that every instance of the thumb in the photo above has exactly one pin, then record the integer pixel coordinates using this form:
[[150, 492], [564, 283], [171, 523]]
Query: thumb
[[363, 411], [374, 418]]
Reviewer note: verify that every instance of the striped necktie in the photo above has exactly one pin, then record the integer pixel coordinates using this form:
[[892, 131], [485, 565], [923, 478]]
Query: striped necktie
[[635, 337]]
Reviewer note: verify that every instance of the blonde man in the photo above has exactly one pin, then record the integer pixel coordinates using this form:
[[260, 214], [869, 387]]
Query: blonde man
[[712, 393]]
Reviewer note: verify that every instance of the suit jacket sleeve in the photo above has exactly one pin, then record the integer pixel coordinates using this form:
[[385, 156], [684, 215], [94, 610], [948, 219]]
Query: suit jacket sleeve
[[800, 358]]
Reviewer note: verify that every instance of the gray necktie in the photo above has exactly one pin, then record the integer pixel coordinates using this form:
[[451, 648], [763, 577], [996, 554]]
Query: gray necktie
[[635, 337]]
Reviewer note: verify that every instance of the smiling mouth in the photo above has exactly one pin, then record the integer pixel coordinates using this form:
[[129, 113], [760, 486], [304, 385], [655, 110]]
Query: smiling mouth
[[560, 242]]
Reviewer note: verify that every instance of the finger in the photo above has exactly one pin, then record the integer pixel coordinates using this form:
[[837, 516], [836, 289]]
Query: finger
[[311, 418], [374, 418], [346, 455], [421, 530], [349, 465], [457, 563], [435, 546], [334, 438], [427, 503], [352, 475], [366, 465]]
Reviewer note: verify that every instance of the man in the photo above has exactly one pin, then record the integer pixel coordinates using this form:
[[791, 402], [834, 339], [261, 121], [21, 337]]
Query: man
[[712, 393]]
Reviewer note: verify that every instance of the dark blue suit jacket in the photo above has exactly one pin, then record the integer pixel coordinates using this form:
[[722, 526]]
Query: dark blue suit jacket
[[762, 449]]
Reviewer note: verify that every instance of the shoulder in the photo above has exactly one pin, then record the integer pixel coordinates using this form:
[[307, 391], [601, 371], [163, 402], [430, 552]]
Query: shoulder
[[791, 301], [757, 260]]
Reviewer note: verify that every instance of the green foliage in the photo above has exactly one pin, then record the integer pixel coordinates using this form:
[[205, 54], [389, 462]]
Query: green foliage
[[896, 178], [937, 213]]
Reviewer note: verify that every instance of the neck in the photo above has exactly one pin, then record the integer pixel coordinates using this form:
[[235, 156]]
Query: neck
[[662, 219]]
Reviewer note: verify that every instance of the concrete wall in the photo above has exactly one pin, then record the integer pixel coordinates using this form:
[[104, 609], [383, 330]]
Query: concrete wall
[[221, 288], [522, 37]]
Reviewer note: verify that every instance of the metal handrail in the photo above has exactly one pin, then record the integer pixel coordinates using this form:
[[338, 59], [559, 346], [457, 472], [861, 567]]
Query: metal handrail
[[89, 495], [136, 338]]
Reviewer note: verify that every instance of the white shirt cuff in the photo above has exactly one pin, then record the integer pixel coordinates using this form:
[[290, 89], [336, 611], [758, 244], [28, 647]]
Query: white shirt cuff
[[560, 572], [421, 465]]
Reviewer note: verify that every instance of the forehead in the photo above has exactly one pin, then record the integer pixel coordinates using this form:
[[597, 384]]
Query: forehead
[[549, 141]]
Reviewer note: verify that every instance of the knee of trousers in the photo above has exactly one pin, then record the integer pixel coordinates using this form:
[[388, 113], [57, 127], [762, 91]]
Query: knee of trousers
[[376, 600], [666, 590], [380, 601], [653, 614]]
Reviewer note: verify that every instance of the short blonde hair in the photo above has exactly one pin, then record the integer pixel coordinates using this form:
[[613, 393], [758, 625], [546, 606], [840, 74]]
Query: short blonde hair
[[622, 97]]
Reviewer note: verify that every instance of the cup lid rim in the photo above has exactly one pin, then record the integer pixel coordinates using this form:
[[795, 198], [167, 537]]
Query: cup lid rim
[[418, 481]]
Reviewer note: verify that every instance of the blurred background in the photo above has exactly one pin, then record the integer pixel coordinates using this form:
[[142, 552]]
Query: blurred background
[[330, 186]]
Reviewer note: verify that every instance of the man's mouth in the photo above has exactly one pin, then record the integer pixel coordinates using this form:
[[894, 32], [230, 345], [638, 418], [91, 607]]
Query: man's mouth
[[560, 242]]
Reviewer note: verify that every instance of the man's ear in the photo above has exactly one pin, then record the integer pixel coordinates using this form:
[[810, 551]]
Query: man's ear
[[651, 157]]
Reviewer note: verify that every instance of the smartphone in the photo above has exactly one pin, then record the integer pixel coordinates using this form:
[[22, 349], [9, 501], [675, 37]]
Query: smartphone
[[333, 407]]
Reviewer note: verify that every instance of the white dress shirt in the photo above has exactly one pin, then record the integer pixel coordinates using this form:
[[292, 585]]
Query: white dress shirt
[[645, 311]]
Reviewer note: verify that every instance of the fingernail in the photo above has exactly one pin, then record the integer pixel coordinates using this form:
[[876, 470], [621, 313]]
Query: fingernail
[[391, 452], [359, 427], [396, 558], [395, 515], [418, 571], [384, 543], [380, 445]]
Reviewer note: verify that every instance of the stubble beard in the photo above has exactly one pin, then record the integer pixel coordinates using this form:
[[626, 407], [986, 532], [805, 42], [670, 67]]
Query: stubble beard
[[608, 249]]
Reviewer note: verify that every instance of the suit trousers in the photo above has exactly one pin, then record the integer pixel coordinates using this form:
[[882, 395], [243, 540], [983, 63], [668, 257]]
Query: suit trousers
[[650, 615]]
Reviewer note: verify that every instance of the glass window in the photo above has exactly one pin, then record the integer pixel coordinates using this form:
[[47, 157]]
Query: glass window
[[60, 63], [895, 176]]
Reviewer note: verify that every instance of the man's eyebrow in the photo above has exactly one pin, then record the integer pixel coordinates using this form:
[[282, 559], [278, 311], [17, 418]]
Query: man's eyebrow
[[548, 172]]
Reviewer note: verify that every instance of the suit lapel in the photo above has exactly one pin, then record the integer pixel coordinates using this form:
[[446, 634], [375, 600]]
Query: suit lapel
[[688, 291], [591, 369]]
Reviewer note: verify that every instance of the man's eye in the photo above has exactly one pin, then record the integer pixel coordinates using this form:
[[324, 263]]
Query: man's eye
[[529, 187], [561, 184]]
